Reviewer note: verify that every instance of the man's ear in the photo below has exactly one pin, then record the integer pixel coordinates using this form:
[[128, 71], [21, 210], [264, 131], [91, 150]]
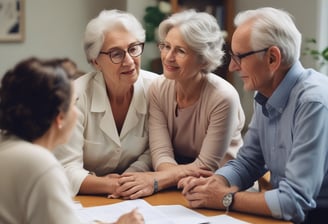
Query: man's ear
[[274, 57]]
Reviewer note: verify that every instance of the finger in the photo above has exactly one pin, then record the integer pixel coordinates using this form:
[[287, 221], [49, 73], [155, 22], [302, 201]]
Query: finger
[[125, 179], [188, 187], [194, 199], [194, 203], [135, 211], [131, 191], [113, 196], [184, 181], [181, 183], [205, 168], [137, 195], [139, 217], [127, 174], [124, 188], [206, 173], [143, 191]]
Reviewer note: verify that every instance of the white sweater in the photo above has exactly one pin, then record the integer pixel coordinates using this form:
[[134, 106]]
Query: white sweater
[[33, 186]]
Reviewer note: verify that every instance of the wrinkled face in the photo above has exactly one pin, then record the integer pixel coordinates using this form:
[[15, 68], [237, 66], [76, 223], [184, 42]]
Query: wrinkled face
[[254, 68], [179, 61], [125, 72]]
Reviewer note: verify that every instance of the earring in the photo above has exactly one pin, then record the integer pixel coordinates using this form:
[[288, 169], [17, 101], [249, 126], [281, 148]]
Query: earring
[[60, 126]]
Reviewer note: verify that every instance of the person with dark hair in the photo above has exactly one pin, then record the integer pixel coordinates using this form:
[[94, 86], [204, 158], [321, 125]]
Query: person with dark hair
[[37, 113], [288, 133], [71, 67]]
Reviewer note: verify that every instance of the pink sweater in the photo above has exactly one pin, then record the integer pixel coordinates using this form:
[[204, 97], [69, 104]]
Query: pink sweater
[[201, 133]]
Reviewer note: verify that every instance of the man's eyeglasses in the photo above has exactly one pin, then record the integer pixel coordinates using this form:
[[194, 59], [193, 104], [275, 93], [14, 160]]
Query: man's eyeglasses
[[178, 52], [237, 57], [117, 55]]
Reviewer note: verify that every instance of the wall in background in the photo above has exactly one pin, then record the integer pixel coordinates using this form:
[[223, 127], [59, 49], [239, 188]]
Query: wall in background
[[323, 29], [56, 28], [137, 8]]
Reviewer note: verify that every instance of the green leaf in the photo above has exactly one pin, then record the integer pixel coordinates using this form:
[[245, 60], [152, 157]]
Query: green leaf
[[314, 52], [324, 54], [311, 40]]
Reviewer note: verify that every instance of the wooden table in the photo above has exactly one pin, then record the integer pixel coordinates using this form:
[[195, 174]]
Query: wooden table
[[173, 197]]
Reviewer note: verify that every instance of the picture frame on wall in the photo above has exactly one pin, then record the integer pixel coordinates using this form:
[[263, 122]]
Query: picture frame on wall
[[12, 21]]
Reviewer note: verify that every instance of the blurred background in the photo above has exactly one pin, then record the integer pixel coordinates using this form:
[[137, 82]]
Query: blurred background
[[56, 28]]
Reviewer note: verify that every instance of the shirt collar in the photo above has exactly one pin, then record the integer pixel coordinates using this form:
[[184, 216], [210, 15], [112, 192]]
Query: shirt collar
[[277, 102], [138, 101]]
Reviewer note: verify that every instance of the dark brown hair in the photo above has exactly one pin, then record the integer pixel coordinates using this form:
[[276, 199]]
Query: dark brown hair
[[31, 96]]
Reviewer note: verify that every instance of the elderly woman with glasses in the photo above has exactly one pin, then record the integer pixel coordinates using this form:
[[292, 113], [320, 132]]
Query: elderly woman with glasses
[[195, 116], [111, 136]]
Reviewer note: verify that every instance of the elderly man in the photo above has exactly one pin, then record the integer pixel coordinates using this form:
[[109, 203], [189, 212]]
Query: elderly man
[[288, 133]]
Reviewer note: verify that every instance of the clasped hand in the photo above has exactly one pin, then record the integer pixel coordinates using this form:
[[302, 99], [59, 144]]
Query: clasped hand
[[205, 192], [134, 185]]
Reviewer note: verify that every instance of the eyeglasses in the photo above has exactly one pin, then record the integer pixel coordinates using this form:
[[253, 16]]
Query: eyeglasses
[[237, 57], [178, 51], [117, 55]]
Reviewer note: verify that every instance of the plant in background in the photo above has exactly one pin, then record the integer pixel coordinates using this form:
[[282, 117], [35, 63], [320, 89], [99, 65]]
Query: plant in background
[[318, 55], [153, 17]]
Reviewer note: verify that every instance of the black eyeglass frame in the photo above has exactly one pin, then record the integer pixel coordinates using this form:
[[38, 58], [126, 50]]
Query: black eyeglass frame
[[109, 53], [237, 57]]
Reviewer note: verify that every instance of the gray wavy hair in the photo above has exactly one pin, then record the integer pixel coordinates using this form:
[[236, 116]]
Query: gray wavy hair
[[202, 34]]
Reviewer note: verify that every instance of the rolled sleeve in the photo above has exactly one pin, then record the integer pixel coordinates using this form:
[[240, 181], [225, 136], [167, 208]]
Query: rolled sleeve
[[272, 200], [232, 178]]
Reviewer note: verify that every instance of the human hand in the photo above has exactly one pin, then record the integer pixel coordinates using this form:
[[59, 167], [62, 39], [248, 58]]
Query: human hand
[[135, 185], [205, 192], [183, 171], [113, 180], [186, 183], [93, 184], [132, 217]]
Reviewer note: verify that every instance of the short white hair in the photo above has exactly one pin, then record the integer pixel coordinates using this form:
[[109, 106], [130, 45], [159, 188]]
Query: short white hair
[[273, 27], [106, 21]]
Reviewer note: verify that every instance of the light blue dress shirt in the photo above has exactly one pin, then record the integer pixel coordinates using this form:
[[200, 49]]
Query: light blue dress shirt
[[288, 135]]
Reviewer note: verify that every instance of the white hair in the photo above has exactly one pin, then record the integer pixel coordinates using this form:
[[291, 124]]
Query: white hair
[[106, 20], [273, 27]]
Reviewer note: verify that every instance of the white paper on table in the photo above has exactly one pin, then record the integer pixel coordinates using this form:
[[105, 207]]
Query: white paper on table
[[182, 215], [110, 213], [219, 219], [163, 214]]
